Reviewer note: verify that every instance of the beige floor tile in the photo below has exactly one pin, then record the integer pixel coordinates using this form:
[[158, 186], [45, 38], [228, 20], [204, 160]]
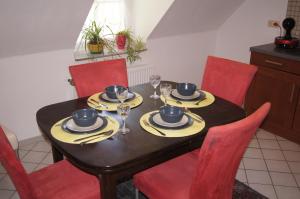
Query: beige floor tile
[[277, 165], [22, 153], [259, 177], [27, 147], [297, 176], [29, 167], [6, 194], [254, 144], [287, 192], [280, 138], [266, 190], [292, 155], [295, 166], [2, 170], [268, 144], [241, 175], [15, 196], [284, 179], [272, 154], [255, 164], [40, 166], [241, 166], [42, 146], [262, 134], [34, 157], [253, 153], [48, 159], [2, 175], [289, 146], [6, 183]]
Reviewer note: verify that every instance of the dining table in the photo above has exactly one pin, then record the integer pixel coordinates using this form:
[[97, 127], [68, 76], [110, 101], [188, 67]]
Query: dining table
[[117, 159]]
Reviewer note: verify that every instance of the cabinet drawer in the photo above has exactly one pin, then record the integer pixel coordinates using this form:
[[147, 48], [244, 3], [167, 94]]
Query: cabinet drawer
[[277, 63]]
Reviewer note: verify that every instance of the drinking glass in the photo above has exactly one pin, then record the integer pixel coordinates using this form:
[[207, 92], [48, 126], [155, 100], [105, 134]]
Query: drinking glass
[[122, 95], [154, 81], [165, 90], [123, 110]]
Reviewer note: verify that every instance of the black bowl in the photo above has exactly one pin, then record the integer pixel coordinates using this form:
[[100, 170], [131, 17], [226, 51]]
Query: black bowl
[[111, 91], [85, 117], [186, 89], [171, 114]]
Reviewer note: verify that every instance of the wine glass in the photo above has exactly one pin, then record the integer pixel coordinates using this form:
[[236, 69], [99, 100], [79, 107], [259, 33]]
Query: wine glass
[[154, 81], [122, 94], [123, 110], [165, 90]]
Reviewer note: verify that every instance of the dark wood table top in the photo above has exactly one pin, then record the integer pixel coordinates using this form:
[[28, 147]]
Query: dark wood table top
[[127, 154]]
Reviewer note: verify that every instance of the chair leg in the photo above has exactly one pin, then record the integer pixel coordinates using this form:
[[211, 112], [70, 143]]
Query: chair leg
[[136, 193]]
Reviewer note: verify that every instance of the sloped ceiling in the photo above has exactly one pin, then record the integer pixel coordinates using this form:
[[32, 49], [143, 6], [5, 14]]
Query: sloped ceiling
[[33, 26], [191, 16]]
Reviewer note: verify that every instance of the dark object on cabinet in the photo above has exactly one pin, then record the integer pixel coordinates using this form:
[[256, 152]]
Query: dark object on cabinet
[[277, 81]]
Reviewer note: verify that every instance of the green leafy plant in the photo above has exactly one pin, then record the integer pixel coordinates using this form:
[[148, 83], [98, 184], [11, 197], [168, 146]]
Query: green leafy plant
[[134, 45], [92, 36]]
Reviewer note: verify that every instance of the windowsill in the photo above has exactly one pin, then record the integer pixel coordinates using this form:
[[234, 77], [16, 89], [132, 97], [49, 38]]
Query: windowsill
[[85, 55]]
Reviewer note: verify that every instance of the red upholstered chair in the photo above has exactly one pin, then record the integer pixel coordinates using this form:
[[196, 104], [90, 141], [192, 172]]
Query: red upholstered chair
[[93, 77], [211, 174], [57, 181], [228, 79]]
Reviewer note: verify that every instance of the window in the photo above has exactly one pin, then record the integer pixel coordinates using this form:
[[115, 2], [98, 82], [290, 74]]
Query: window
[[104, 12], [108, 12]]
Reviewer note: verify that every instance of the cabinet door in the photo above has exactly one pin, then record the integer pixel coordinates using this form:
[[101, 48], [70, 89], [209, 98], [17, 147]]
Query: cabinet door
[[278, 88]]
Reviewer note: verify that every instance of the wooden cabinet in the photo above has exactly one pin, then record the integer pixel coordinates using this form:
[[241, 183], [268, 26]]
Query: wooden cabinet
[[277, 81]]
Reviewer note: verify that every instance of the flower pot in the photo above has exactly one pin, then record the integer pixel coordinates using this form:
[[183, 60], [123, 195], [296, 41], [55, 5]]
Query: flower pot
[[121, 41], [95, 48]]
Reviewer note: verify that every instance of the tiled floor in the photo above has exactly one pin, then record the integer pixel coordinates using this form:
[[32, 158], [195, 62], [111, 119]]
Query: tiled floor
[[271, 165]]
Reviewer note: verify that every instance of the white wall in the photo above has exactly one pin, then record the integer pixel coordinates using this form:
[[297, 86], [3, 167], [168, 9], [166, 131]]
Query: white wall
[[181, 58], [147, 14], [30, 82], [248, 27]]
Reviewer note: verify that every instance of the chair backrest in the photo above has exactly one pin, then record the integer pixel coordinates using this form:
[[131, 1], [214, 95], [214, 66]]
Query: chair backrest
[[220, 156], [93, 77], [228, 79], [14, 168]]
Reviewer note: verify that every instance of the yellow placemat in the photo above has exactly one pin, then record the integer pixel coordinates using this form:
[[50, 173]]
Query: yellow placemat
[[190, 130], [112, 106], [190, 104], [58, 133]]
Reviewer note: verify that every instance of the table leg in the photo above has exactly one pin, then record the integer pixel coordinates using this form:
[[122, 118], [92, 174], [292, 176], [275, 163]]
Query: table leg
[[57, 156], [108, 186]]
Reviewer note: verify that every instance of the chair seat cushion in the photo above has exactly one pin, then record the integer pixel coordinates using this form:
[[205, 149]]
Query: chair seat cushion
[[62, 180], [171, 179]]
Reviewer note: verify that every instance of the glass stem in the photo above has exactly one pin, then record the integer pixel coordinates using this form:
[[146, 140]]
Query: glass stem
[[155, 92], [124, 128]]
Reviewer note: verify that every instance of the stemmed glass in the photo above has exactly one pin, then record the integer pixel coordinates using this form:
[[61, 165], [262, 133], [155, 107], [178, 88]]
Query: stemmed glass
[[154, 81], [165, 90], [123, 110], [122, 95]]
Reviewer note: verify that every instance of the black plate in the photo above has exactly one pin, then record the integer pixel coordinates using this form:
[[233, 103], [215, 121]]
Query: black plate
[[65, 128], [188, 123], [201, 96], [115, 100]]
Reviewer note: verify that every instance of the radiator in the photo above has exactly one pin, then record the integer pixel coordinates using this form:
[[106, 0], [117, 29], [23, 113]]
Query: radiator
[[139, 74]]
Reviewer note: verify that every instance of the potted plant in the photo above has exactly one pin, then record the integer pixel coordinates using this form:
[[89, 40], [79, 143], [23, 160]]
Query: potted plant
[[133, 45], [94, 41], [122, 37]]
